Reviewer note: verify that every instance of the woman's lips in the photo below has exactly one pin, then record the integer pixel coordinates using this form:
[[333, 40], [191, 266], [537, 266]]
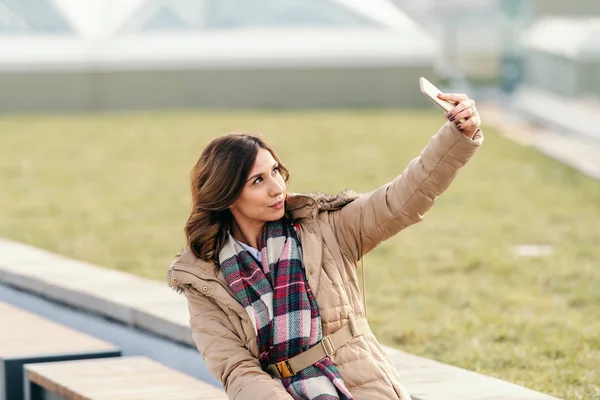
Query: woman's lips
[[278, 205]]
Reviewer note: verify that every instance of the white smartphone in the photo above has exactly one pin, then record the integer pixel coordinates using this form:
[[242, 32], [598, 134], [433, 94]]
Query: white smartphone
[[429, 90]]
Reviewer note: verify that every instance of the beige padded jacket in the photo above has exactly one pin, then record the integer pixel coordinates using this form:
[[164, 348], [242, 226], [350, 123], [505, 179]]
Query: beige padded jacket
[[335, 232]]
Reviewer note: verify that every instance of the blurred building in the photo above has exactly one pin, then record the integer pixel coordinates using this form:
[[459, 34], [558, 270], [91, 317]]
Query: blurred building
[[66, 55], [544, 43], [561, 86], [563, 56], [571, 8], [468, 32], [563, 48]]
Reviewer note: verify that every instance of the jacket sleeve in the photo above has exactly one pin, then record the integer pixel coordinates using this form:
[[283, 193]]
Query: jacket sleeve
[[225, 354], [373, 217]]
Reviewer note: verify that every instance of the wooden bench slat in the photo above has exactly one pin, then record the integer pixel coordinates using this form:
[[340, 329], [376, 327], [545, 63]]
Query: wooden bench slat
[[24, 334], [124, 378]]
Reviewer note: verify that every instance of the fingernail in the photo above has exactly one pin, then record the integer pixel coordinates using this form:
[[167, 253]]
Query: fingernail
[[451, 118], [459, 126]]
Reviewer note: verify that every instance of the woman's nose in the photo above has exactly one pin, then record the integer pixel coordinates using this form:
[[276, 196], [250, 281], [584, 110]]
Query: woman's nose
[[276, 188]]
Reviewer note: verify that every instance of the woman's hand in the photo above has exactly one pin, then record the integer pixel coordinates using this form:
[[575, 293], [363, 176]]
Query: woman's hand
[[465, 110]]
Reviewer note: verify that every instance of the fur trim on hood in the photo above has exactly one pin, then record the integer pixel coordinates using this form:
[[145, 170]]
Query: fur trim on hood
[[331, 202]]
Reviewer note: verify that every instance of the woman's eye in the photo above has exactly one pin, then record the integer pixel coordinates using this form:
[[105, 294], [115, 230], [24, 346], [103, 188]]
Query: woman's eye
[[257, 181], [276, 170]]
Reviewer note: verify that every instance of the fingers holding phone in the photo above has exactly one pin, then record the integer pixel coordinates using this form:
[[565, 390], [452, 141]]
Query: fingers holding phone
[[458, 107], [464, 115]]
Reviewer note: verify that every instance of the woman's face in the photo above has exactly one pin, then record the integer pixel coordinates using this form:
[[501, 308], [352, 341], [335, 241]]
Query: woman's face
[[264, 193]]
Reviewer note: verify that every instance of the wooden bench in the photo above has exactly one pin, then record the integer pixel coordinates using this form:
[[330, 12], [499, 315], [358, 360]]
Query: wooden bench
[[123, 378], [29, 338]]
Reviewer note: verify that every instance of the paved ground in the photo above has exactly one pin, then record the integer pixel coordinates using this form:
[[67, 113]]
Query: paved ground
[[526, 121], [572, 116]]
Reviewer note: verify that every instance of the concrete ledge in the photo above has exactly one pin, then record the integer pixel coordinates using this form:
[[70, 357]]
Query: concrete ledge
[[427, 379], [154, 307], [127, 298]]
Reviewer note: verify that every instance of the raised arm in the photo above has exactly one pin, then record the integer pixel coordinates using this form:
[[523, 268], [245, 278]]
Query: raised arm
[[376, 216], [226, 356]]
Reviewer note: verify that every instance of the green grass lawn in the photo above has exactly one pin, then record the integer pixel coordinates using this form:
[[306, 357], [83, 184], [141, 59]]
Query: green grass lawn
[[113, 190]]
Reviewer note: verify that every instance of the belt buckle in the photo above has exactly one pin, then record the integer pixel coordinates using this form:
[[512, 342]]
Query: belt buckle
[[284, 368], [328, 346]]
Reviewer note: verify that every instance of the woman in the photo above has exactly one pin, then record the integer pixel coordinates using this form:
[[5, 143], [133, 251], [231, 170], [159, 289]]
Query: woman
[[270, 277]]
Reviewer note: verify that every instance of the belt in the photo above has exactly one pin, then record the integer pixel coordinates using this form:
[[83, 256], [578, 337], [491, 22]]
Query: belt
[[325, 348]]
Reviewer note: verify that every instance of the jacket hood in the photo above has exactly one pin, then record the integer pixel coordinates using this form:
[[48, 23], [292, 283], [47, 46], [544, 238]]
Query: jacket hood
[[298, 206]]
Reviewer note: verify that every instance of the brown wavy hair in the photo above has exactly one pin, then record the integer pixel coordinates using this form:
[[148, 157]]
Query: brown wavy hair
[[217, 180]]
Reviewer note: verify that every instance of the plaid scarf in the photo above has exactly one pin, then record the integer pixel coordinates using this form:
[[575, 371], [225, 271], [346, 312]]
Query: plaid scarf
[[282, 308]]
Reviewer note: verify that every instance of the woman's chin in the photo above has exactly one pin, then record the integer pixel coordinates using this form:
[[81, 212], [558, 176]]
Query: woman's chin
[[277, 214]]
